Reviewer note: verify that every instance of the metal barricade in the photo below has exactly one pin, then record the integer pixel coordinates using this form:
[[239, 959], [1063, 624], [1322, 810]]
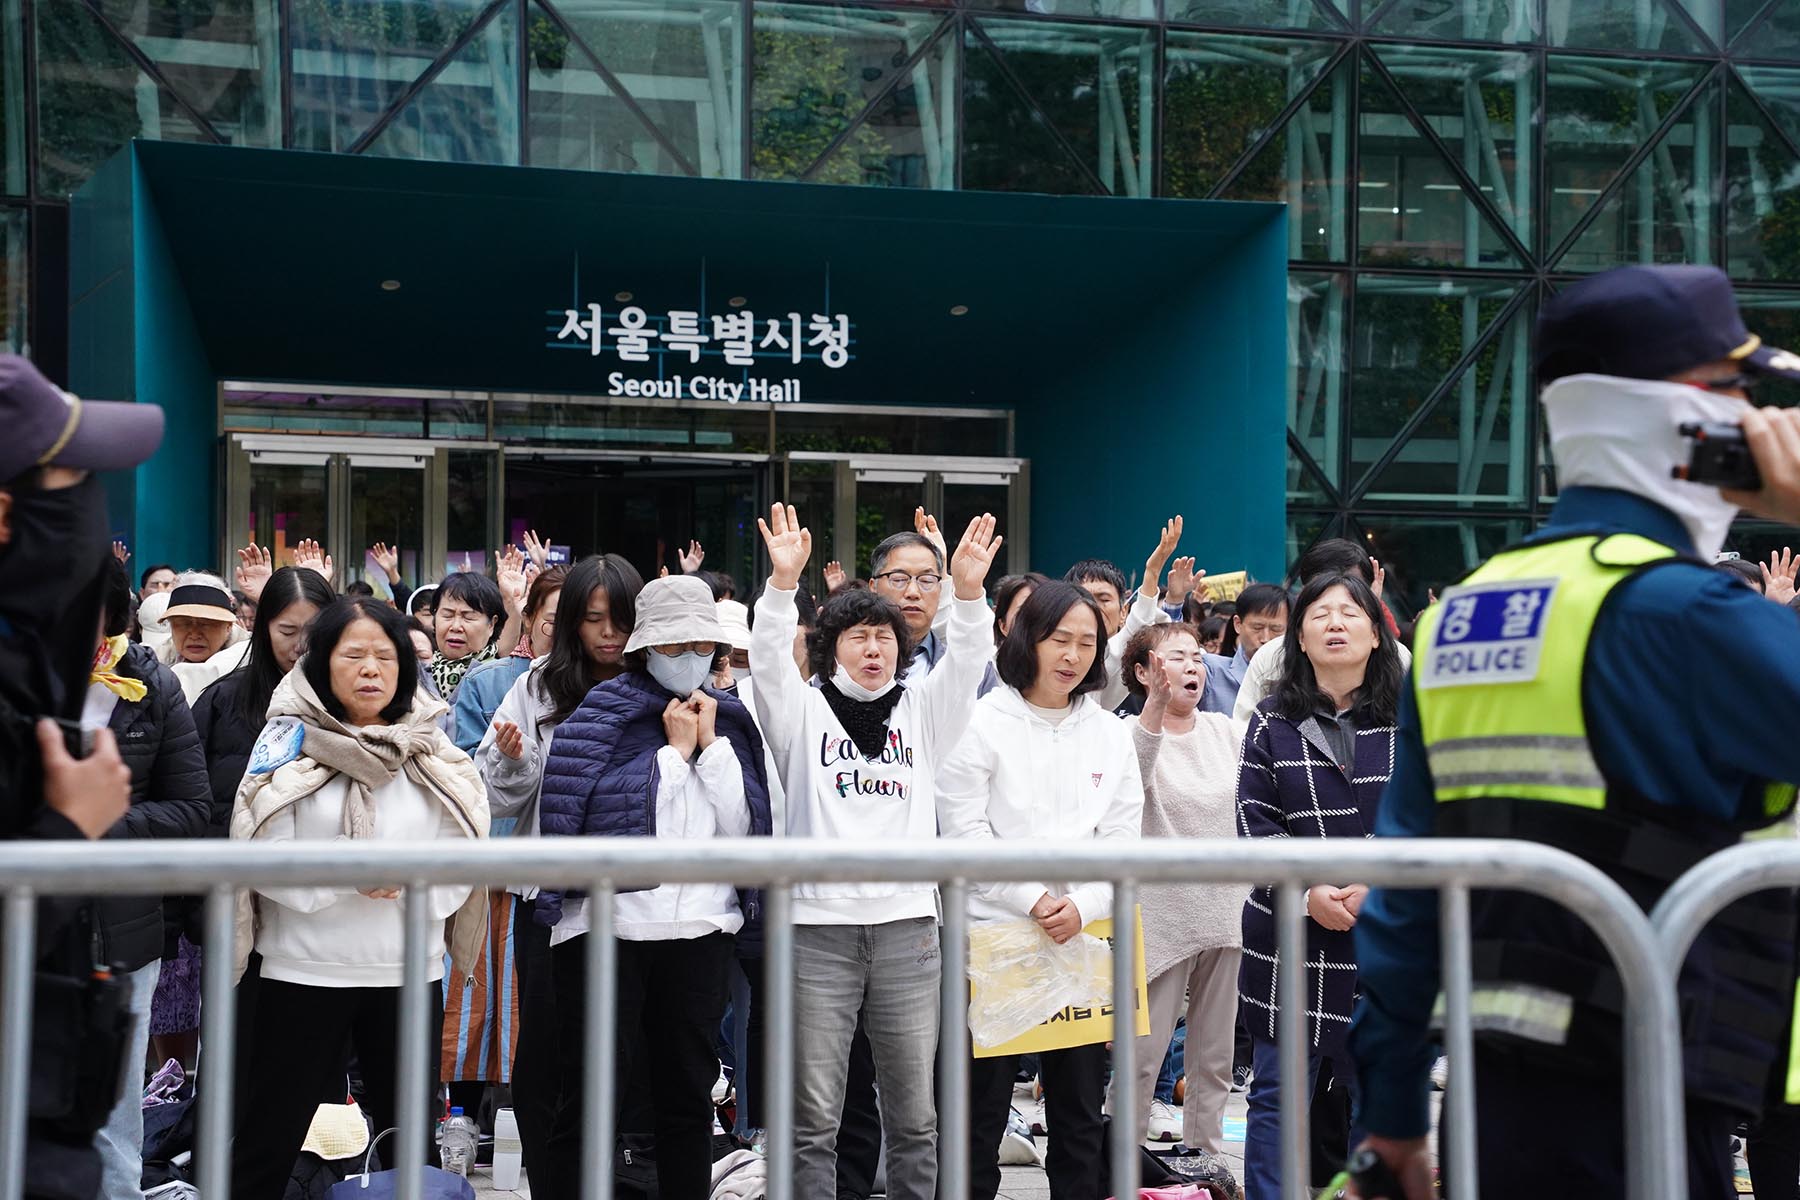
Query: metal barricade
[[1655, 1145]]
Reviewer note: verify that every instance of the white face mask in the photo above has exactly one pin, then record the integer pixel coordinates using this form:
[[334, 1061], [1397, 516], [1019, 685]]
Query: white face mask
[[740, 673], [680, 673], [855, 690], [1619, 433]]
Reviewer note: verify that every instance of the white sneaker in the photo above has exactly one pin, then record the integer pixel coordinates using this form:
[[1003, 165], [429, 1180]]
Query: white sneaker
[[1165, 1122], [1440, 1071]]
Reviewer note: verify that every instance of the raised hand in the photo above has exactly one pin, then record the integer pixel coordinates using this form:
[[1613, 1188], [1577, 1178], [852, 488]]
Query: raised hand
[[253, 570], [691, 558], [974, 557], [926, 526], [509, 739], [1182, 580], [835, 576], [1158, 691], [312, 556], [510, 575], [1165, 546], [1380, 577], [121, 552], [536, 550], [789, 544], [387, 558], [1778, 575]]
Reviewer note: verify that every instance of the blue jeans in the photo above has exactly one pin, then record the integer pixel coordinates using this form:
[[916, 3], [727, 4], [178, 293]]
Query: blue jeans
[[1262, 1133], [121, 1140], [1173, 1064]]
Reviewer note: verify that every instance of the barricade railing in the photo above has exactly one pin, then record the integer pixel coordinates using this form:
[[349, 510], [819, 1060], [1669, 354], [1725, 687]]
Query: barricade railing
[[1654, 1130]]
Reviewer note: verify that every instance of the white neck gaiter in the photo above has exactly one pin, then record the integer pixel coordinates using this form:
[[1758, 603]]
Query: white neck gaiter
[[1611, 432]]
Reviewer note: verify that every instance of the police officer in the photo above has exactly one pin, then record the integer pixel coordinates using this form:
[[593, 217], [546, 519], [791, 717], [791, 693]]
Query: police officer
[[53, 543], [1602, 689]]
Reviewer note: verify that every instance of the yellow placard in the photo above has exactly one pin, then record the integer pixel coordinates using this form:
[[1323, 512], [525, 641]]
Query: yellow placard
[[1079, 1026], [1225, 587]]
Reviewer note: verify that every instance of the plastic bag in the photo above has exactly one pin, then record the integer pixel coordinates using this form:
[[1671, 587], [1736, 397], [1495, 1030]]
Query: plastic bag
[[1019, 978]]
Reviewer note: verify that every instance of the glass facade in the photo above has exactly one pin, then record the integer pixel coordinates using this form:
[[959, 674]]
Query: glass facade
[[1447, 165]]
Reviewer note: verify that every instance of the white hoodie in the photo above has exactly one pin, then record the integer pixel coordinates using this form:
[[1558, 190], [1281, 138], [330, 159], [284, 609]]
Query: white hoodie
[[1015, 775], [832, 790]]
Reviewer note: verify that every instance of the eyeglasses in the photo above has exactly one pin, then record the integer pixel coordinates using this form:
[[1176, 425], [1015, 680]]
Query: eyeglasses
[[898, 580], [675, 648]]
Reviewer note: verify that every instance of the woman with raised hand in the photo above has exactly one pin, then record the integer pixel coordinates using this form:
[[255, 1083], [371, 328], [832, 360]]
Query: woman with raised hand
[[352, 751], [1314, 763], [857, 756]]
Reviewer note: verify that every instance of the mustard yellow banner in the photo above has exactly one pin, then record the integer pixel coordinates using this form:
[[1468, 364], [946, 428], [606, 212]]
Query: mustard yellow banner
[[1073, 1026], [1225, 587]]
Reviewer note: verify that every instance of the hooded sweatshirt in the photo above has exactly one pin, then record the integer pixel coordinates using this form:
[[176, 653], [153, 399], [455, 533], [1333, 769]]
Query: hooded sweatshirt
[[1013, 774], [337, 937], [832, 790]]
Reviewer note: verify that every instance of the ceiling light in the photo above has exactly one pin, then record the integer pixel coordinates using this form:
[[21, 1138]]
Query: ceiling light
[[390, 285], [623, 297], [959, 310], [737, 302]]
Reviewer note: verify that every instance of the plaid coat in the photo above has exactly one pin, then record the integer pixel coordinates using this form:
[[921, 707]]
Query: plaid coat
[[1289, 786]]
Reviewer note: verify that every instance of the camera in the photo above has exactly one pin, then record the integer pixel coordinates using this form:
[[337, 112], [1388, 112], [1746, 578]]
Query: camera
[[1720, 457]]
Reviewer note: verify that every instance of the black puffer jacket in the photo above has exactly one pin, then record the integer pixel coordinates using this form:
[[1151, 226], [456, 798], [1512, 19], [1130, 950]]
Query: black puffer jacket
[[226, 739], [169, 798]]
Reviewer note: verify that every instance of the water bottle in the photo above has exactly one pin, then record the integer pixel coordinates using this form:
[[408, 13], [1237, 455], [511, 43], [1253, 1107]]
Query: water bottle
[[462, 1137], [509, 1154]]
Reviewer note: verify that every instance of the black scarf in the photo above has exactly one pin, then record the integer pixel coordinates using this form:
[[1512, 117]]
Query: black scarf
[[51, 586], [866, 721]]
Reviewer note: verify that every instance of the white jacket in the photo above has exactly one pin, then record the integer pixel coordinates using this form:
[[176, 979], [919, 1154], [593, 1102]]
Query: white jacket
[[1015, 775], [832, 790], [1144, 612]]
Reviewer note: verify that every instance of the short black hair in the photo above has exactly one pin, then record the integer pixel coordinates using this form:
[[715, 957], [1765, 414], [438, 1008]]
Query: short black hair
[[846, 610], [1298, 695], [1262, 598], [1334, 556], [359, 587], [115, 590], [1098, 570], [809, 608], [723, 586], [1750, 573], [897, 541], [1007, 590], [477, 591], [144, 579], [425, 598], [1017, 660], [327, 630]]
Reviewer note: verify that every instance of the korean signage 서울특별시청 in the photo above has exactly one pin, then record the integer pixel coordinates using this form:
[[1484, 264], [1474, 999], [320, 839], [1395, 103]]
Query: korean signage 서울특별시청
[[636, 338]]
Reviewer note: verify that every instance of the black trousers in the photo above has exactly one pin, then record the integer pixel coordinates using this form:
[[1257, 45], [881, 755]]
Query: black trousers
[[671, 998], [1540, 1130], [859, 1130], [1074, 1090], [537, 1057], [1773, 1150], [295, 1054]]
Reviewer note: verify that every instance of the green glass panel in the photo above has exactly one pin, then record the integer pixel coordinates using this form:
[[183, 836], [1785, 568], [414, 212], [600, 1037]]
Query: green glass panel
[[1479, 104], [1256, 14], [1620, 25], [1117, 10], [1305, 528], [1007, 145], [816, 69], [353, 59], [1096, 85], [1739, 14], [1708, 15], [1777, 37], [1411, 334], [1474, 445], [678, 64], [1779, 90], [14, 278], [13, 146], [1411, 209], [909, 139], [1762, 190], [1220, 94], [1600, 112], [219, 57], [1663, 212], [1458, 20], [1775, 317], [1422, 555], [1304, 166], [1316, 366], [470, 111], [92, 99]]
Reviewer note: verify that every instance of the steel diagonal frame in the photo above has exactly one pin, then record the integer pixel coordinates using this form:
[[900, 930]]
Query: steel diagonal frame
[[1656, 1134], [150, 67], [1037, 110], [1279, 123], [436, 67], [899, 75]]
